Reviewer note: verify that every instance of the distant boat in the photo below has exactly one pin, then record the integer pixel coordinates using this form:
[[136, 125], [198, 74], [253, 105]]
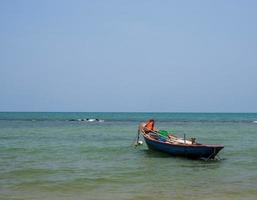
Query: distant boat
[[161, 141]]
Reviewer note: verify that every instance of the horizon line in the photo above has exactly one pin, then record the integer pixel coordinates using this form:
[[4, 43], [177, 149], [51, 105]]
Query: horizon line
[[230, 112]]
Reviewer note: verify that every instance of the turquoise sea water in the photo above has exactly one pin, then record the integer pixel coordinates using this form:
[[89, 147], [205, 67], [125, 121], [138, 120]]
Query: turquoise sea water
[[46, 156]]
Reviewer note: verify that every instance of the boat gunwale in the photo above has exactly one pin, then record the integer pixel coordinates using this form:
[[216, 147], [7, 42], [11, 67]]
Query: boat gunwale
[[197, 145]]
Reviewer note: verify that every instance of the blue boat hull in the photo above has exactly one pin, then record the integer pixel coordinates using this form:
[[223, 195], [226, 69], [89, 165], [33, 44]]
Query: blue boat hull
[[195, 151]]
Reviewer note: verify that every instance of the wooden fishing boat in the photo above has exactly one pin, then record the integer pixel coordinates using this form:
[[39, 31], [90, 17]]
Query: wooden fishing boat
[[180, 146]]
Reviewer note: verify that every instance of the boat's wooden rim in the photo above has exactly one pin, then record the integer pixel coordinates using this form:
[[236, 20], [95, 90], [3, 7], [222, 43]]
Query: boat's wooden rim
[[197, 145]]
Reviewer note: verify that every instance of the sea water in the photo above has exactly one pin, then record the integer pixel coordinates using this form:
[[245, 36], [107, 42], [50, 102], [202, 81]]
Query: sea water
[[57, 156]]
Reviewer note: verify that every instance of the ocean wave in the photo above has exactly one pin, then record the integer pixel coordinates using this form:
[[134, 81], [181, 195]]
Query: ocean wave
[[56, 120], [127, 121], [87, 120]]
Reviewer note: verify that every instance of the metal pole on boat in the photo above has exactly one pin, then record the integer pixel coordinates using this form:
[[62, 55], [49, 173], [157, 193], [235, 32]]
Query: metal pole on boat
[[138, 142], [184, 138], [138, 136]]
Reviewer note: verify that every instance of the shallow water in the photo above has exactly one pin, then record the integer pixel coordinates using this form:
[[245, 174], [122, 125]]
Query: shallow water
[[45, 156]]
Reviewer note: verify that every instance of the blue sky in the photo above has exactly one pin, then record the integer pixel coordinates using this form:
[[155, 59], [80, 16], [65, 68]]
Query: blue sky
[[158, 56]]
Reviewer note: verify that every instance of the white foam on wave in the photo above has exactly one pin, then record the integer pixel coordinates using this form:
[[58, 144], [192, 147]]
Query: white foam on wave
[[90, 120], [255, 122]]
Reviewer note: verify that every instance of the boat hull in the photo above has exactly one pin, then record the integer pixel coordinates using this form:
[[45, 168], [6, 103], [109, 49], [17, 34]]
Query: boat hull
[[194, 151]]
